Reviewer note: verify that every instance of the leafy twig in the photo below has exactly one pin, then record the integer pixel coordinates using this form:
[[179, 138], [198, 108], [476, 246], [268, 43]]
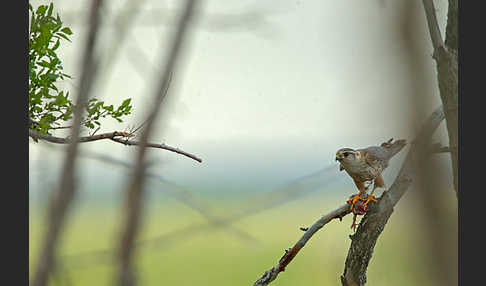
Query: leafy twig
[[64, 194]]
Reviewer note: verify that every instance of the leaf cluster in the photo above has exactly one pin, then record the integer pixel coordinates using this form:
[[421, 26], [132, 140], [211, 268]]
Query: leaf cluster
[[49, 106]]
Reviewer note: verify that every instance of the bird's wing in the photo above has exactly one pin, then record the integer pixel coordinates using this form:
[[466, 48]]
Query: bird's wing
[[376, 157]]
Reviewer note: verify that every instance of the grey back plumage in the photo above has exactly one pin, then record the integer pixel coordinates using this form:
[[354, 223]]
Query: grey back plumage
[[379, 156]]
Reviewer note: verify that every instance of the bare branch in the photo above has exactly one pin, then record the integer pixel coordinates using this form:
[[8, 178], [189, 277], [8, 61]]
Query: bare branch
[[82, 139], [373, 223], [289, 255], [115, 136], [161, 146], [452, 26], [447, 76], [433, 25], [61, 127]]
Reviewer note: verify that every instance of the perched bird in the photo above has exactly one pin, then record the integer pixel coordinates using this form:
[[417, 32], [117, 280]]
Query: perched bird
[[366, 165]]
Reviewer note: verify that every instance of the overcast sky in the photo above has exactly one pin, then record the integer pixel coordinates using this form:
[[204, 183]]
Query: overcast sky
[[267, 90]]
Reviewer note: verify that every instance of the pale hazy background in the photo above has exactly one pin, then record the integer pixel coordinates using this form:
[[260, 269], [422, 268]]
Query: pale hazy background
[[266, 100]]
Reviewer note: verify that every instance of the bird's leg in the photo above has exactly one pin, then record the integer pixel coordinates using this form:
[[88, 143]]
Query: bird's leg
[[378, 183], [353, 199], [370, 196]]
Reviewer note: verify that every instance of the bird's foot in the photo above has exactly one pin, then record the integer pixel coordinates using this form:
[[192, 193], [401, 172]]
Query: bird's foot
[[369, 199], [353, 200]]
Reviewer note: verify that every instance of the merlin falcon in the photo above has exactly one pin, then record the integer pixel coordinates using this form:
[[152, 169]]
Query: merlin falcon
[[365, 166]]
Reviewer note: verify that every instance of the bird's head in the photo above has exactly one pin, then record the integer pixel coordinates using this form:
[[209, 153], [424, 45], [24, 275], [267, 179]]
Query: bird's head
[[347, 155]]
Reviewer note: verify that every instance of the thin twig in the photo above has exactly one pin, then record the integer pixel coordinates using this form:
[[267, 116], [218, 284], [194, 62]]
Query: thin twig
[[165, 93], [61, 127], [289, 255], [115, 136]]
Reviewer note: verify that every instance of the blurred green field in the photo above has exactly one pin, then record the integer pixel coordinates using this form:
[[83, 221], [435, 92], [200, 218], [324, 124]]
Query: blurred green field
[[217, 256]]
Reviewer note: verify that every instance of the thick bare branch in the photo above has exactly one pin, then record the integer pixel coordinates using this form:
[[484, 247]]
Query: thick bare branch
[[373, 223], [452, 37], [116, 136], [447, 75], [433, 25], [289, 255]]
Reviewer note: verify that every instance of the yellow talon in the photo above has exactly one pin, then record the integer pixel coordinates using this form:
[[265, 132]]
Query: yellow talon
[[353, 200], [369, 199]]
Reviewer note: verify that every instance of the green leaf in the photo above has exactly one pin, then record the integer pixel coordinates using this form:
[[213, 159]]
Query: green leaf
[[66, 30], [44, 64], [32, 23], [126, 102], [51, 53], [63, 36], [49, 12], [56, 45], [41, 10], [67, 116], [52, 76]]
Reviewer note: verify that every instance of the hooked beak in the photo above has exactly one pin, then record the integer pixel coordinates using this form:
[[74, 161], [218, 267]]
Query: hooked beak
[[339, 157]]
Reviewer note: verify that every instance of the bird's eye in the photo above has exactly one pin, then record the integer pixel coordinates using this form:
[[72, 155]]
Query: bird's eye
[[346, 154]]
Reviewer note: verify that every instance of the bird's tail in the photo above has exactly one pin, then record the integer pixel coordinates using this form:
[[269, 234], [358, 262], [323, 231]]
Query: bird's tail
[[394, 147]]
